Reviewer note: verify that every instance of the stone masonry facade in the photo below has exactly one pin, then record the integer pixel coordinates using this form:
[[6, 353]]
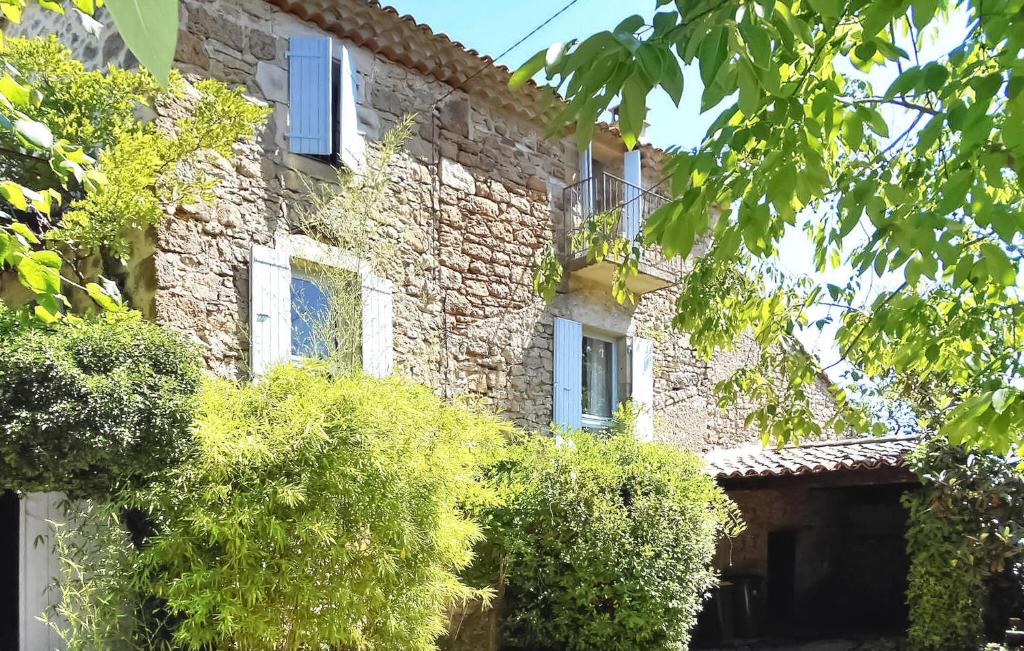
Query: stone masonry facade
[[475, 200]]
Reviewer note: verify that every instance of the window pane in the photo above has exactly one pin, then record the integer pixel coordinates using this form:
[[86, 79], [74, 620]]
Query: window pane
[[598, 377], [310, 310]]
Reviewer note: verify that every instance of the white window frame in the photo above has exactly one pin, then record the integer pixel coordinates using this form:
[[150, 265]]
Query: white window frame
[[590, 421], [299, 250]]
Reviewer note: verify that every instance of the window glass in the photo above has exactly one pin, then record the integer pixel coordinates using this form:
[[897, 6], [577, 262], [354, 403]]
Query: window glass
[[310, 310], [598, 377]]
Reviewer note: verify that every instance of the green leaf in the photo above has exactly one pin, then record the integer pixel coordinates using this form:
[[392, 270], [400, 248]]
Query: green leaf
[[853, 130], [34, 133], [672, 79], [25, 232], [102, 299], [750, 91], [758, 42], [14, 194], [713, 50], [650, 62], [828, 9], [629, 25], [150, 29], [1001, 399], [875, 121], [935, 76], [40, 278], [923, 12], [633, 109], [18, 94], [905, 83], [528, 70], [47, 259]]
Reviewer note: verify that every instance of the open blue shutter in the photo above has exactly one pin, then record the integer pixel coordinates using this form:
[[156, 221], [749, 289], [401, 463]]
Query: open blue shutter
[[270, 322], [568, 385], [633, 210], [642, 370], [309, 84], [378, 326]]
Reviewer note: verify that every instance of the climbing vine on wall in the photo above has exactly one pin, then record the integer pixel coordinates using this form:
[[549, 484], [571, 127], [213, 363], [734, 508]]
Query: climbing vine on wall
[[966, 528]]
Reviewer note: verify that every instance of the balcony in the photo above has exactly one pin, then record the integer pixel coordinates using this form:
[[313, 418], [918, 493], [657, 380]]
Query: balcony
[[605, 208]]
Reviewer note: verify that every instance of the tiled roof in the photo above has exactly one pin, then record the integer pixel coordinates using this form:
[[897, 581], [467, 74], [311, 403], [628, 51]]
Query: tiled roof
[[812, 458], [402, 39]]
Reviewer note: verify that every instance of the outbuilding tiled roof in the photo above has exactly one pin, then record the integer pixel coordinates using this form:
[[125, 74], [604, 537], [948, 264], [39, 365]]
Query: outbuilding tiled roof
[[812, 458]]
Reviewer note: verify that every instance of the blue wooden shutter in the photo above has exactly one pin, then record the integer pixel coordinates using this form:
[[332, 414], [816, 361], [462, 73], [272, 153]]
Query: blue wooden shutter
[[568, 385], [309, 83], [642, 372], [270, 322], [378, 326], [352, 146], [633, 210]]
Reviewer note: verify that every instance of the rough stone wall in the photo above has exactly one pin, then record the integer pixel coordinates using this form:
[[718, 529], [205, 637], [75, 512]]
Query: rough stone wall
[[466, 231]]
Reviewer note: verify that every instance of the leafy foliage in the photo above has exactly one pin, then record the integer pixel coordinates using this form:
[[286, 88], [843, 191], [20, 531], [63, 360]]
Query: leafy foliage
[[101, 607], [87, 406], [966, 526], [917, 184], [149, 29], [605, 543], [319, 512], [121, 176]]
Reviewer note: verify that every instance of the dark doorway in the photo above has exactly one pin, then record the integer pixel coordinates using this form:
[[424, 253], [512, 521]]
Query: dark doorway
[[781, 592], [9, 512], [868, 581]]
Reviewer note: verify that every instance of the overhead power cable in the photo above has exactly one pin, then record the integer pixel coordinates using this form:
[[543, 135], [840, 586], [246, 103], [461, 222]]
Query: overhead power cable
[[485, 66]]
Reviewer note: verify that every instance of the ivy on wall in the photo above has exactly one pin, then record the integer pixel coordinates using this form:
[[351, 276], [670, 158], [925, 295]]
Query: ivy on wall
[[966, 528]]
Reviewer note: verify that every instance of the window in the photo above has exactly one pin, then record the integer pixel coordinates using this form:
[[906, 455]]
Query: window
[[311, 300], [594, 372], [323, 86], [310, 309], [600, 380], [326, 314]]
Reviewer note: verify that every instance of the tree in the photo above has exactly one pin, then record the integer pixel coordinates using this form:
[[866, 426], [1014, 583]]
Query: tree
[[152, 36], [119, 177], [919, 181]]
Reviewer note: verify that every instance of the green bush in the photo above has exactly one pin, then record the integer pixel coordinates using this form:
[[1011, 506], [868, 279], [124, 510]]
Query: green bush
[[88, 404], [319, 513], [604, 543], [966, 527]]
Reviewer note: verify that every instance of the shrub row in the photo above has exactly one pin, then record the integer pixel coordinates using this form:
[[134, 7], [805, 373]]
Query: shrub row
[[312, 511]]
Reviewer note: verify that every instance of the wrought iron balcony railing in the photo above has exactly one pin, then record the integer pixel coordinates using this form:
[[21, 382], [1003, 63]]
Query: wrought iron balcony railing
[[608, 207]]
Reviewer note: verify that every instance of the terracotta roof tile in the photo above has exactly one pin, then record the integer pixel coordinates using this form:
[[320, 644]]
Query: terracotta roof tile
[[812, 458]]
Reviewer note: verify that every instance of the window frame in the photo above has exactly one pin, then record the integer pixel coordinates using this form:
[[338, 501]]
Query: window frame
[[304, 253], [591, 421]]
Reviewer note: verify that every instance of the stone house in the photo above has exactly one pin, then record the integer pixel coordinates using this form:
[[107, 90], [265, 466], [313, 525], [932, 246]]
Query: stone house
[[479, 195]]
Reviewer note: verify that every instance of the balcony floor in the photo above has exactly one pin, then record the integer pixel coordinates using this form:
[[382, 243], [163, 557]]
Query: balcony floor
[[648, 279]]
